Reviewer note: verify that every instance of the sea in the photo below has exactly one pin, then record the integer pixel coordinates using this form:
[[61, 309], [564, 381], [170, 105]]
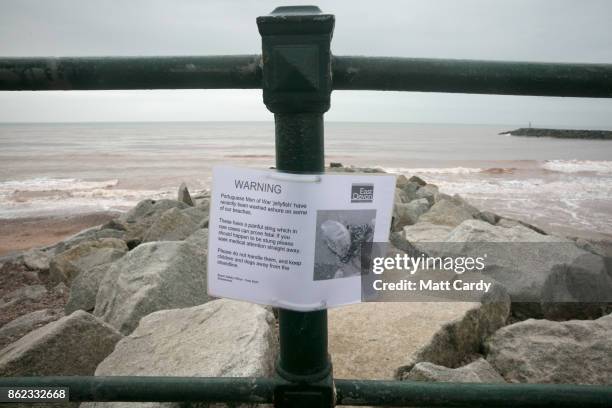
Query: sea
[[64, 169]]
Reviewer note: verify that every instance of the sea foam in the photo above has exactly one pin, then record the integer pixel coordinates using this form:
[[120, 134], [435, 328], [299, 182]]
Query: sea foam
[[578, 166], [65, 196]]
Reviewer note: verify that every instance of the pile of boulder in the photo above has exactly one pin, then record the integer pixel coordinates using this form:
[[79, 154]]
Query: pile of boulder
[[135, 303]]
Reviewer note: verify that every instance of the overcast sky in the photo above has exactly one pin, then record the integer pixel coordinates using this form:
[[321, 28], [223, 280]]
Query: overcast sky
[[529, 30]]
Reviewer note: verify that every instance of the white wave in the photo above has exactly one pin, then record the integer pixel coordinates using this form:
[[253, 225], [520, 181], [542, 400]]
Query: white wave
[[433, 170], [45, 183], [577, 166], [578, 202], [61, 196], [578, 188]]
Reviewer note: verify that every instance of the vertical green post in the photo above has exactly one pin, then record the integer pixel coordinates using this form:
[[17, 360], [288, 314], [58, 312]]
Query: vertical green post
[[296, 88]]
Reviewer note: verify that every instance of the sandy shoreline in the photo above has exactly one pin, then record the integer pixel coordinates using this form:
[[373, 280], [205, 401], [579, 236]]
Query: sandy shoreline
[[20, 234]]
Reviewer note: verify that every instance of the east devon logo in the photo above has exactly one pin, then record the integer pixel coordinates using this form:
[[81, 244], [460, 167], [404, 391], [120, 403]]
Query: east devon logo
[[362, 193]]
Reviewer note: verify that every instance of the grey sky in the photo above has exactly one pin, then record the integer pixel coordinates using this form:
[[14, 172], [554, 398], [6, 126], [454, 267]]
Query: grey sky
[[533, 30]]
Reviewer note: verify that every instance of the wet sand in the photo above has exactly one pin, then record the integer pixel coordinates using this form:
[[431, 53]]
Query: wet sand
[[25, 233]]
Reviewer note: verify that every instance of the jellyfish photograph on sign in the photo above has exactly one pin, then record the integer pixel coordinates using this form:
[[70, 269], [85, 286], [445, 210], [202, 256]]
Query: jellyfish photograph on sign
[[339, 238]]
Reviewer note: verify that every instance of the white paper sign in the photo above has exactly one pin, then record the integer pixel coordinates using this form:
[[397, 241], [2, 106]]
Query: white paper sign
[[293, 241]]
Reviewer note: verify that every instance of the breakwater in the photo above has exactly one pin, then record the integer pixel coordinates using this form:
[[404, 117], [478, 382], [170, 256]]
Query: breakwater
[[561, 133]]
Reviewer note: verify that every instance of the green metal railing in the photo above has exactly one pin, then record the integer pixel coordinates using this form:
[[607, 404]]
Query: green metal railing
[[348, 73], [348, 392], [297, 74]]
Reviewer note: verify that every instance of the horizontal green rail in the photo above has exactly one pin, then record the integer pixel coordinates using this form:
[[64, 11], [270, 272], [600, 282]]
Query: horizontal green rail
[[100, 73], [156, 389], [409, 393], [349, 73], [348, 392], [470, 76]]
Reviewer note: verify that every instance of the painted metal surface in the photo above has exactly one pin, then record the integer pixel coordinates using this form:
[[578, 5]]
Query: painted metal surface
[[348, 73], [471, 76], [101, 73], [161, 389], [407, 393], [297, 88], [349, 392]]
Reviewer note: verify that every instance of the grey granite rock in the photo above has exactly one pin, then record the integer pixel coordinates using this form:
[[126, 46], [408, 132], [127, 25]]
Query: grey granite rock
[[23, 294], [408, 213], [36, 260], [447, 212], [400, 197], [153, 276], [172, 225], [24, 324], [66, 265], [140, 218], [184, 196], [478, 371], [72, 345], [418, 180], [546, 276], [90, 234], [384, 340], [489, 217], [428, 191], [426, 232], [545, 352], [223, 338], [84, 289]]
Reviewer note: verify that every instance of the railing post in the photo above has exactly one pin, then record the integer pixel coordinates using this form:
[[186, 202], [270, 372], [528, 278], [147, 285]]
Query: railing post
[[296, 88]]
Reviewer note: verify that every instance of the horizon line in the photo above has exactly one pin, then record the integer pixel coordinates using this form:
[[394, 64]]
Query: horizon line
[[543, 125]]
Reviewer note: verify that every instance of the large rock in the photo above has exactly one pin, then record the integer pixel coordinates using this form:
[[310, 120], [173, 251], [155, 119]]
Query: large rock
[[447, 212], [384, 340], [401, 181], [24, 324], [72, 345], [400, 197], [597, 245], [544, 275], [478, 231], [36, 260], [203, 202], [408, 213], [478, 371], [184, 196], [510, 223], [24, 293], [463, 337], [149, 208], [489, 217], [428, 192], [426, 232], [172, 225], [198, 214], [84, 289], [223, 338], [153, 276], [542, 351], [418, 180], [199, 240], [90, 234], [67, 265], [457, 199], [140, 218], [409, 190]]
